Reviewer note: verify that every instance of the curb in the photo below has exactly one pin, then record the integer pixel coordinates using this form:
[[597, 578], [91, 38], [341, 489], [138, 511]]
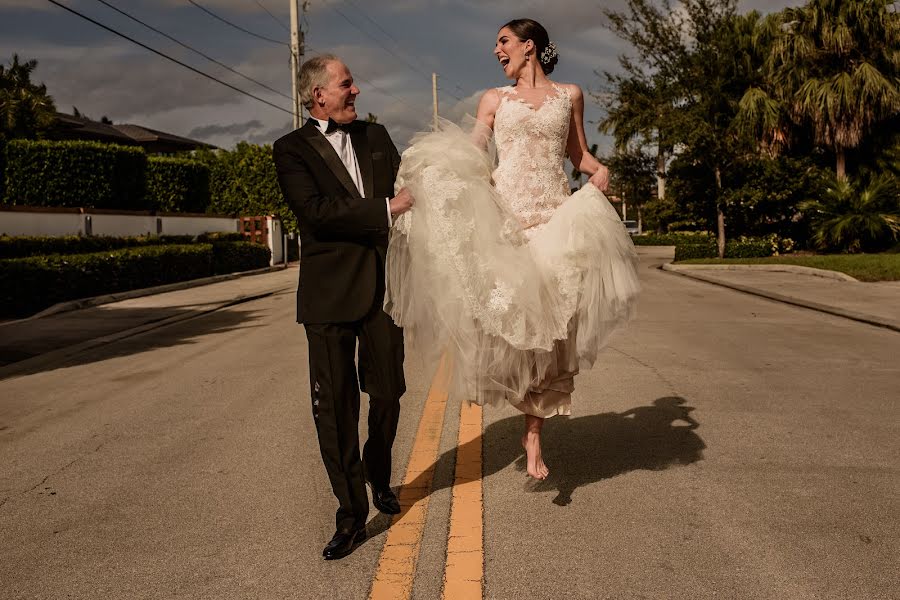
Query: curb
[[831, 310], [15, 368], [80, 303], [774, 268]]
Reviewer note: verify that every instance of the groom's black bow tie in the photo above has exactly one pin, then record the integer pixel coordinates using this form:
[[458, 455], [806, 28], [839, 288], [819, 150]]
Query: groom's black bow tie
[[333, 126]]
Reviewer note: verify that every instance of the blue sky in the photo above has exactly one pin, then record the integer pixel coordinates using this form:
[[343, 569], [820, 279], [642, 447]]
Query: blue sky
[[102, 74]]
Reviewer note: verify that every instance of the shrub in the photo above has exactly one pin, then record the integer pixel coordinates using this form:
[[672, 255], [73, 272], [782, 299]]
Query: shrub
[[74, 173], [741, 248], [860, 216], [22, 246], [232, 257], [177, 184], [28, 285], [243, 182], [671, 239], [221, 236]]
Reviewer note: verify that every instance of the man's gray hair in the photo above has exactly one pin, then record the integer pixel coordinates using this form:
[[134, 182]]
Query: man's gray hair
[[313, 74]]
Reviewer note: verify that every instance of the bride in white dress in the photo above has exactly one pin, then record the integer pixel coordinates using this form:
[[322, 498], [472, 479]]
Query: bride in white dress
[[497, 268]]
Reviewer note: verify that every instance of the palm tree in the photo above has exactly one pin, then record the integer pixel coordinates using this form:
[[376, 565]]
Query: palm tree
[[26, 110], [856, 217], [834, 64], [642, 109]]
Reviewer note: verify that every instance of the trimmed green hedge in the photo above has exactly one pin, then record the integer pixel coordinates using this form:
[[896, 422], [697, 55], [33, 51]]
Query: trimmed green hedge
[[74, 173], [177, 184], [747, 248], [670, 239], [22, 246], [29, 285], [232, 257]]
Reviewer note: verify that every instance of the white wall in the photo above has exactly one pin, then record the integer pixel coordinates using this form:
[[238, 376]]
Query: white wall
[[67, 222], [172, 225], [41, 223], [122, 225]]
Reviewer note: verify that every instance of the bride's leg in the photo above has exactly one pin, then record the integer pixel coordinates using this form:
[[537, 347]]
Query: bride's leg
[[531, 441]]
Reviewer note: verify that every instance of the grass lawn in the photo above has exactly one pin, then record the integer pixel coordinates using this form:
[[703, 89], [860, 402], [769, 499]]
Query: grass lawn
[[865, 267]]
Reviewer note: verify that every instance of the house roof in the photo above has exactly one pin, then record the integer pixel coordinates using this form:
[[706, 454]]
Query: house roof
[[152, 140]]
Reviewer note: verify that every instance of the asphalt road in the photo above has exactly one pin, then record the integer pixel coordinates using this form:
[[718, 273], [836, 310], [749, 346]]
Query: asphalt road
[[725, 446]]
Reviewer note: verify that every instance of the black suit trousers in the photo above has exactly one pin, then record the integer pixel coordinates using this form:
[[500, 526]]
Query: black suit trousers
[[336, 401]]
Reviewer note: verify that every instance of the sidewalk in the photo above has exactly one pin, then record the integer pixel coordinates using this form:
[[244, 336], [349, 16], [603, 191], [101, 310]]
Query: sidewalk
[[873, 303], [58, 335]]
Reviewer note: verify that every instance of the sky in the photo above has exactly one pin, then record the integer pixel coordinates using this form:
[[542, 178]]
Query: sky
[[391, 46]]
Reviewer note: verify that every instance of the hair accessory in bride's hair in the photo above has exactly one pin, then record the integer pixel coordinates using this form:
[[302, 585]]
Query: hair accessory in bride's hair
[[549, 53]]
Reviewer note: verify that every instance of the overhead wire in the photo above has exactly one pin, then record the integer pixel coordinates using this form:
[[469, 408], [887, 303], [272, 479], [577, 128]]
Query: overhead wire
[[167, 57], [194, 50], [390, 51], [238, 27], [392, 38], [274, 18]]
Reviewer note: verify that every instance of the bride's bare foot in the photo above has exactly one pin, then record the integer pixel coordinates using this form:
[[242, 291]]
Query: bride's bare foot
[[531, 441]]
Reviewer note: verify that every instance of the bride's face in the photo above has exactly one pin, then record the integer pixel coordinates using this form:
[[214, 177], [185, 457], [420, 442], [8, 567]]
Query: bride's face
[[512, 52]]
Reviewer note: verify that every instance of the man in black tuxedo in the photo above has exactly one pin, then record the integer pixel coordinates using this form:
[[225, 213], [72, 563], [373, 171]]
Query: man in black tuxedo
[[337, 175]]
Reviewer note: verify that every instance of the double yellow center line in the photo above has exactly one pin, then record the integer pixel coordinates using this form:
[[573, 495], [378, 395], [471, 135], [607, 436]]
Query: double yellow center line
[[464, 572]]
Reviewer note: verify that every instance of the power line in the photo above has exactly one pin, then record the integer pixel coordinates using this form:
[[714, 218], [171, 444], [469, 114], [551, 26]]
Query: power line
[[276, 19], [238, 27], [182, 44], [392, 38], [377, 41], [166, 56]]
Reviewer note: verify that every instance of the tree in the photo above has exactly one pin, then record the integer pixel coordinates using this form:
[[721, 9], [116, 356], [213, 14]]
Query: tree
[[698, 60], [632, 178], [26, 110], [834, 65]]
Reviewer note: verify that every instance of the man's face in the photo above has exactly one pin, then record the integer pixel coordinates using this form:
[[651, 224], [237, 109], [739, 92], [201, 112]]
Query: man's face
[[337, 99]]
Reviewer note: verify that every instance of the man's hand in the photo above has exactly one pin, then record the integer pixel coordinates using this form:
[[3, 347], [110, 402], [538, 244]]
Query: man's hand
[[401, 203], [601, 179]]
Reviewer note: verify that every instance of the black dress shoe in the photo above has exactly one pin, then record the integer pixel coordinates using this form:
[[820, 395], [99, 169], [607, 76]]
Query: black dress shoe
[[343, 543], [385, 501]]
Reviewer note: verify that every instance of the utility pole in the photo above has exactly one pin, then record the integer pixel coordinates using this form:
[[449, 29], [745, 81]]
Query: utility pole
[[434, 98], [297, 51]]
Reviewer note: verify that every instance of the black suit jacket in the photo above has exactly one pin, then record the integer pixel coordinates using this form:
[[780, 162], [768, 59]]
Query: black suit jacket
[[343, 236]]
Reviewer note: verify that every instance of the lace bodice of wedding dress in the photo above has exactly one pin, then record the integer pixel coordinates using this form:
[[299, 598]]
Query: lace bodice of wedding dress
[[531, 148]]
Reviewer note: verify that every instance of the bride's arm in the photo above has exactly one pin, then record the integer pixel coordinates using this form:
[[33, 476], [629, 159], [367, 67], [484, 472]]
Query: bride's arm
[[577, 147], [487, 108]]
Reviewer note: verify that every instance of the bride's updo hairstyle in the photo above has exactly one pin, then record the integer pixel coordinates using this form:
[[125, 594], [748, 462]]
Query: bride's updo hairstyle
[[544, 50]]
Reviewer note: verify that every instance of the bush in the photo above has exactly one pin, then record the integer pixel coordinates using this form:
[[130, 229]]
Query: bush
[[670, 239], [177, 184], [221, 236], [28, 285], [243, 182], [72, 173], [31, 284], [232, 257], [741, 248], [22, 246]]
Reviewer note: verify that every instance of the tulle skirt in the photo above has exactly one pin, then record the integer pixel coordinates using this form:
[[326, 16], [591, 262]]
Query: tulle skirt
[[467, 284]]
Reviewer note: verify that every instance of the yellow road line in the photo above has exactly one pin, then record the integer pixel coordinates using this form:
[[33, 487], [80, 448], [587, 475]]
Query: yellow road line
[[397, 565], [464, 574]]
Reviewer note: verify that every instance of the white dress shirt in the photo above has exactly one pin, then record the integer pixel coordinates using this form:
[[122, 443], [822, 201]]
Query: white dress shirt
[[343, 145]]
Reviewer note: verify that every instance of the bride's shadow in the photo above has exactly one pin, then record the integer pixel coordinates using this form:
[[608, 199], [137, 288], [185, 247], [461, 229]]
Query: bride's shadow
[[581, 450], [585, 450]]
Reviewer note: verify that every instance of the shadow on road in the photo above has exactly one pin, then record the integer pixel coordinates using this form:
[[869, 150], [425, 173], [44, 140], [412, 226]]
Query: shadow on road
[[585, 450], [176, 334]]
